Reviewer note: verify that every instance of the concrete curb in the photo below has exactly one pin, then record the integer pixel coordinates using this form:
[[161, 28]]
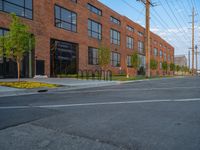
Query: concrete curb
[[59, 89]]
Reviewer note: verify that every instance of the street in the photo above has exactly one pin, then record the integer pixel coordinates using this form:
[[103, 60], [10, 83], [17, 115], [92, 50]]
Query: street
[[162, 114]]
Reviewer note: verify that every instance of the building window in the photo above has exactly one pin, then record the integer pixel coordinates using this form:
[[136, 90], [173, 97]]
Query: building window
[[2, 33], [94, 9], [22, 8], [92, 56], [140, 46], [75, 1], [65, 19], [160, 65], [155, 52], [94, 29], [129, 61], [63, 57], [165, 57], [140, 33], [161, 54], [115, 37], [130, 28], [168, 57], [115, 20], [142, 60], [129, 42], [115, 59]]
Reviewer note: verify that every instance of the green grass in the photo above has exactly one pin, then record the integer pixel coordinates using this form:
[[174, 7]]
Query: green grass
[[27, 85]]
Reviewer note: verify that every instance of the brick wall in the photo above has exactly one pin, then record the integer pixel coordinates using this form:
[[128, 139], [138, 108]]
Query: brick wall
[[42, 26]]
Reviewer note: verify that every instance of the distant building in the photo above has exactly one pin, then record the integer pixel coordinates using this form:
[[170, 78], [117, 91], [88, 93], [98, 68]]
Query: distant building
[[180, 60]]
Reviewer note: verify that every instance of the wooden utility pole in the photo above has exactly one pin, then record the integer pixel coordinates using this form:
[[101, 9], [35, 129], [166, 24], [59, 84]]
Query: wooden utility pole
[[147, 40], [189, 59], [193, 41], [147, 37]]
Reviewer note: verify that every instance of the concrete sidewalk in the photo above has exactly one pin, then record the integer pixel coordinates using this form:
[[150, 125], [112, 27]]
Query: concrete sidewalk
[[66, 83]]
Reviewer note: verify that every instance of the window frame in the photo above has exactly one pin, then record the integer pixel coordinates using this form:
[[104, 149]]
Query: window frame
[[128, 58], [115, 20], [24, 8], [129, 28], [92, 31], [113, 61], [91, 7], [60, 18], [113, 40], [129, 44], [141, 47], [91, 57]]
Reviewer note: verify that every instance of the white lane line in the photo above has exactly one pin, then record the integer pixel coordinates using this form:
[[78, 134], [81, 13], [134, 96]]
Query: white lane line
[[125, 90], [101, 103]]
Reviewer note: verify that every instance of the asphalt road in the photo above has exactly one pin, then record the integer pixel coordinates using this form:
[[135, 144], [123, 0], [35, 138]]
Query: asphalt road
[[149, 115]]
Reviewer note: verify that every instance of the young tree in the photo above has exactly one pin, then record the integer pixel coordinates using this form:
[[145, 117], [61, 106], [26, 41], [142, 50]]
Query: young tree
[[172, 67], [153, 64], [103, 57], [178, 68], [17, 42], [165, 66], [135, 60]]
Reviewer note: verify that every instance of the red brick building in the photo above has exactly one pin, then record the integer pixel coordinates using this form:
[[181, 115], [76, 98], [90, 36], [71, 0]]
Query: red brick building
[[68, 33]]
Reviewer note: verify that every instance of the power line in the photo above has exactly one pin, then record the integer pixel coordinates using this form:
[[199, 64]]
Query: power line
[[175, 17]]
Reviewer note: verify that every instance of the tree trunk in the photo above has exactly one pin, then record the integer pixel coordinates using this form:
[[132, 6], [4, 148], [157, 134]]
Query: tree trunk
[[18, 70]]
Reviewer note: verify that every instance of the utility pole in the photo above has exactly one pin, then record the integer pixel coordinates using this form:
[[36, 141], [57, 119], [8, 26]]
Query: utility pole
[[189, 59], [147, 40], [193, 41], [196, 58], [147, 4]]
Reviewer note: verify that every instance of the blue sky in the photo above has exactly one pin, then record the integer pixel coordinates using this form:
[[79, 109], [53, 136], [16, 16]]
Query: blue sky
[[169, 19]]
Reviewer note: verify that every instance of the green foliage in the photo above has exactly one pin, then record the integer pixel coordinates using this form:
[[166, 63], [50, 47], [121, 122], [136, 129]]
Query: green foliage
[[164, 66], [172, 67], [178, 68], [184, 69], [103, 56], [153, 64], [135, 60], [17, 42]]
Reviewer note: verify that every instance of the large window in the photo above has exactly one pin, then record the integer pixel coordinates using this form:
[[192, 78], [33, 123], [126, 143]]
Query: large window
[[165, 56], [155, 52], [140, 33], [115, 20], [2, 33], [92, 56], [129, 42], [22, 8], [115, 37], [168, 57], [94, 9], [161, 53], [160, 65], [130, 28], [75, 1], [140, 46], [65, 19], [94, 29], [142, 61], [63, 56], [129, 61], [115, 59]]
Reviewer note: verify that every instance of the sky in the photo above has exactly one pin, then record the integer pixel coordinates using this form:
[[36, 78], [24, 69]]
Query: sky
[[170, 19]]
